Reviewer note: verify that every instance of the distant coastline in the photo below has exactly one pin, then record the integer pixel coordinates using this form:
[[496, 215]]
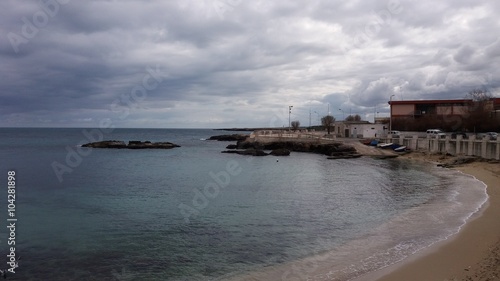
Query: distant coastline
[[244, 129]]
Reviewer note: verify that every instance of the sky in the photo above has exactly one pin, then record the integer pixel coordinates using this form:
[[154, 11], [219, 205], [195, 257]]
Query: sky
[[235, 63]]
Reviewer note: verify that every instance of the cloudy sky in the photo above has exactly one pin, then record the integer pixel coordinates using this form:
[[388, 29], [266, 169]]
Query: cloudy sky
[[235, 63]]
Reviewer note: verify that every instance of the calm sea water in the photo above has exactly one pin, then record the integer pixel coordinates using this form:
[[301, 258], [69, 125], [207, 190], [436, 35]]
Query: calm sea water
[[193, 213]]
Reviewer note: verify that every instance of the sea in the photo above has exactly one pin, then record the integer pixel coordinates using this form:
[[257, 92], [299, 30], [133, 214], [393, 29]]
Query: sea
[[194, 213]]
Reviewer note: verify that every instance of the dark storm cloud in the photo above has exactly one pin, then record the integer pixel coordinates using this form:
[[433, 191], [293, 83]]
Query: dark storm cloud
[[236, 63]]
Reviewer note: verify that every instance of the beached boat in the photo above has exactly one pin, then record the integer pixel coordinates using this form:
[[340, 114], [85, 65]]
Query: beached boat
[[366, 141], [400, 149], [394, 146], [384, 145]]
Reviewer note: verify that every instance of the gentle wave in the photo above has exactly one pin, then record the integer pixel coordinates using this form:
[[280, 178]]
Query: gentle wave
[[403, 235]]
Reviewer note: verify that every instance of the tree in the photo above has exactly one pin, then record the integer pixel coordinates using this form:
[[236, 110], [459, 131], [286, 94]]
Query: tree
[[295, 125], [478, 115], [353, 118], [327, 122], [478, 95]]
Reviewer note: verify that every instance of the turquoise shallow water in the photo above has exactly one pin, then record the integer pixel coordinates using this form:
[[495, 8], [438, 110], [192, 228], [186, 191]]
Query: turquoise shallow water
[[192, 213]]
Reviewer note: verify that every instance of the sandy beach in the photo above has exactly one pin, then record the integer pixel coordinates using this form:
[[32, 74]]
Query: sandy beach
[[471, 254]]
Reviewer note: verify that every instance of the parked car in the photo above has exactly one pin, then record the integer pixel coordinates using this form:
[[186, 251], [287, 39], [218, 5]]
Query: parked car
[[491, 135], [454, 135], [435, 133], [394, 134]]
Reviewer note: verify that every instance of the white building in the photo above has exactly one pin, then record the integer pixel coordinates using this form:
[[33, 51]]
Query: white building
[[360, 129]]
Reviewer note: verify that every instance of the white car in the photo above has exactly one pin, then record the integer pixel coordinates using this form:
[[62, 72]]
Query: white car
[[435, 133], [491, 135], [394, 134]]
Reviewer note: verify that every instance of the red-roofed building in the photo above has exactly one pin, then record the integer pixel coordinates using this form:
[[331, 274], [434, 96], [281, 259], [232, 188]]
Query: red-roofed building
[[438, 110]]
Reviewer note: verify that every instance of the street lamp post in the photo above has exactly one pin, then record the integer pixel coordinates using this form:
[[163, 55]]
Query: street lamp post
[[343, 114], [309, 118], [289, 112], [390, 113], [319, 123]]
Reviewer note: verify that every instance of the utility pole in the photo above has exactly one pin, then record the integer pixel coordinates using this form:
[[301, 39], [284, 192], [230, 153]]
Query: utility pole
[[309, 118], [390, 113], [289, 112]]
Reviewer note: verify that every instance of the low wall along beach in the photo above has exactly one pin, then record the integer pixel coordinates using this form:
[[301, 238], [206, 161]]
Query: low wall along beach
[[487, 149]]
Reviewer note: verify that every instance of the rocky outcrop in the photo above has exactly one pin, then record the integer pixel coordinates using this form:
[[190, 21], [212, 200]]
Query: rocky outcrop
[[148, 144], [346, 156], [283, 148], [329, 149], [458, 161], [233, 137], [106, 144], [250, 151], [232, 146], [131, 145], [259, 152], [280, 152]]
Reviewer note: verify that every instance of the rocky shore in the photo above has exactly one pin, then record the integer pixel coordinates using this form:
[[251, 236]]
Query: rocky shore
[[131, 145], [335, 150], [446, 160], [232, 137]]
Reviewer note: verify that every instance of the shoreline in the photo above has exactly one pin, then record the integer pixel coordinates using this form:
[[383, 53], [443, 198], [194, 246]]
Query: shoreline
[[462, 263], [471, 254]]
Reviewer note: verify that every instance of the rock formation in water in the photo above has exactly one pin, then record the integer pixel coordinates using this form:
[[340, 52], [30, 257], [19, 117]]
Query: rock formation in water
[[233, 137], [131, 144]]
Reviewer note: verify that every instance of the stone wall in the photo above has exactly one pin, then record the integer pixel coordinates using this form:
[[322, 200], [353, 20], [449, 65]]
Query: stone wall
[[488, 149]]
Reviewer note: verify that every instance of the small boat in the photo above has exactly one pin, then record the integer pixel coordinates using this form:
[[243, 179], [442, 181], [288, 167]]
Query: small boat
[[366, 141], [400, 149], [394, 146], [385, 145], [374, 142]]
